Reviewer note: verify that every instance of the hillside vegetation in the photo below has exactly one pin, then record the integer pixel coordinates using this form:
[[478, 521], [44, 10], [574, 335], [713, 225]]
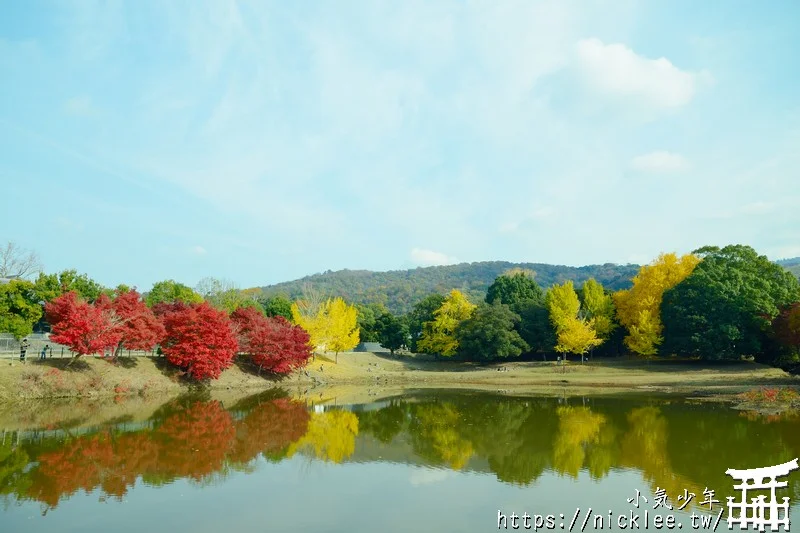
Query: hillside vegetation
[[399, 290], [792, 265]]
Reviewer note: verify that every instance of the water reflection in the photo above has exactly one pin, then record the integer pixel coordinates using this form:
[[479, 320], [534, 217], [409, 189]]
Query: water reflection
[[674, 445]]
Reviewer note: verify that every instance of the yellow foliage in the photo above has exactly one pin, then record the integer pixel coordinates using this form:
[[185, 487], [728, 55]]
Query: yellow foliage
[[343, 325], [644, 447], [563, 304], [331, 436], [438, 423], [578, 427], [573, 334], [438, 336], [638, 308], [576, 336], [332, 326], [600, 308]]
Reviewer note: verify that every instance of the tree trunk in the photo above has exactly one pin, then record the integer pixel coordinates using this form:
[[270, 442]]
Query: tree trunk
[[337, 358]]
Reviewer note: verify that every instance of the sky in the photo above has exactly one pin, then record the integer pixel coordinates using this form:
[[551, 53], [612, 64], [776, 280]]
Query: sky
[[259, 142]]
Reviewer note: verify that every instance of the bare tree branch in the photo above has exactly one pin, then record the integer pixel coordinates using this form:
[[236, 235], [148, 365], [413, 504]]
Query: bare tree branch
[[17, 262]]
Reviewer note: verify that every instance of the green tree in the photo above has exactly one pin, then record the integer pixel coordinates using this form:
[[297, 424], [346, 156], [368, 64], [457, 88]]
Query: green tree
[[489, 333], [170, 291], [725, 307], [535, 327], [278, 305], [51, 286], [367, 320], [513, 289], [223, 294], [392, 332], [419, 315], [19, 308]]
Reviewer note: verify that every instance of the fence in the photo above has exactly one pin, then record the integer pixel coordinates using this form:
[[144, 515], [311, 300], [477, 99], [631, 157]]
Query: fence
[[9, 347]]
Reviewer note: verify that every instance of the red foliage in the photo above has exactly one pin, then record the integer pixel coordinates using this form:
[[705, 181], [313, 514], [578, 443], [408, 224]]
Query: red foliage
[[786, 326], [139, 327], [273, 343], [199, 339], [269, 429], [84, 327], [193, 442]]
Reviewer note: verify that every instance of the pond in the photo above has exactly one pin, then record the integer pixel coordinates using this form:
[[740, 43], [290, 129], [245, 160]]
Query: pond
[[434, 461]]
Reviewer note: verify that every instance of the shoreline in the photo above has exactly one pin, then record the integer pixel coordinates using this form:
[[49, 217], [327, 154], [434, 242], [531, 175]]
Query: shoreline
[[39, 394]]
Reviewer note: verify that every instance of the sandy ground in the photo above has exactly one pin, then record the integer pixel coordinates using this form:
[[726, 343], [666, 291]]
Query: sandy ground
[[93, 390]]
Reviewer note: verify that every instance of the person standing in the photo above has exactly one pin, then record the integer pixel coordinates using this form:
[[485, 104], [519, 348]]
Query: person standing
[[43, 354], [23, 349]]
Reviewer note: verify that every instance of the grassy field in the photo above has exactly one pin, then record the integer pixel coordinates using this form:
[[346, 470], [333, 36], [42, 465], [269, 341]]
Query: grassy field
[[92, 377]]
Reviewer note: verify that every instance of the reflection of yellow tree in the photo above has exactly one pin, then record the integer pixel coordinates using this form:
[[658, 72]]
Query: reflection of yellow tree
[[605, 453], [577, 428], [331, 436], [644, 447], [438, 433]]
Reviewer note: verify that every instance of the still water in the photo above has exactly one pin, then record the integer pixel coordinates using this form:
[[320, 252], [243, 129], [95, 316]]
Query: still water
[[438, 461]]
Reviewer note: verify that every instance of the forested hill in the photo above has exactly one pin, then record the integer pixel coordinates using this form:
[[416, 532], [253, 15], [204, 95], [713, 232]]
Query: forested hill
[[399, 290], [792, 265]]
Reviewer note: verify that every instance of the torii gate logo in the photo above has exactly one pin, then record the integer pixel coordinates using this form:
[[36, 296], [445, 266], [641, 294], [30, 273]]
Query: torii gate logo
[[760, 513]]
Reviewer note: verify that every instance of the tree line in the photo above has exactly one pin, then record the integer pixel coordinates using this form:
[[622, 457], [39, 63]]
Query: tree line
[[714, 303]]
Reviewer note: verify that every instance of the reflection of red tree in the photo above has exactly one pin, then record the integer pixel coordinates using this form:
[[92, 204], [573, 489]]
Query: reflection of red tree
[[270, 428], [88, 462], [195, 441]]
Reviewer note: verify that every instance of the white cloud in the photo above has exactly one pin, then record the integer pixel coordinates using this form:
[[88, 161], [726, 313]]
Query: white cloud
[[199, 250], [431, 258], [616, 69], [660, 161]]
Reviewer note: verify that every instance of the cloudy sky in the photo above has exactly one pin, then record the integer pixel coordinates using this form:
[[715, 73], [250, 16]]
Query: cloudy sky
[[263, 141]]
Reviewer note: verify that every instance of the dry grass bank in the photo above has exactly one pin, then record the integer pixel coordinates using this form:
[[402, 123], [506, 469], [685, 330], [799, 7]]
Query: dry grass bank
[[371, 375], [94, 391]]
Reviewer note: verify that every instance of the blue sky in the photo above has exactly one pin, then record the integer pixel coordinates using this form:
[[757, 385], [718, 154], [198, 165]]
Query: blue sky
[[263, 141]]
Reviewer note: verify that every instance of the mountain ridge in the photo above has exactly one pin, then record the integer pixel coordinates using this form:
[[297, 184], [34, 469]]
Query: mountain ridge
[[400, 289]]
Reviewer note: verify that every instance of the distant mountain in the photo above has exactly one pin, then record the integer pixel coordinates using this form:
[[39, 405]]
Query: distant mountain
[[792, 265], [399, 290]]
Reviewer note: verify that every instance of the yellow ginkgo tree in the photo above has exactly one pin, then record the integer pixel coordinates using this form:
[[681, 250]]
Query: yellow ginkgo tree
[[332, 324], [438, 335], [638, 308], [573, 334]]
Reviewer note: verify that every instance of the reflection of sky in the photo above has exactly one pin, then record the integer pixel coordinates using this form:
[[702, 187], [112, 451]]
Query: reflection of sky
[[308, 495]]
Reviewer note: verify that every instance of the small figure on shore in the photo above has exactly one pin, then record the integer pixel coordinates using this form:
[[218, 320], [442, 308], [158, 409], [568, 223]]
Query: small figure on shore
[[23, 349], [43, 354]]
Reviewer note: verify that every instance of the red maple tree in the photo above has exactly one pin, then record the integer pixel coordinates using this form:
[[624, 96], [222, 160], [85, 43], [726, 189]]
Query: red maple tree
[[272, 342], [83, 327], [198, 339], [139, 327], [786, 326]]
